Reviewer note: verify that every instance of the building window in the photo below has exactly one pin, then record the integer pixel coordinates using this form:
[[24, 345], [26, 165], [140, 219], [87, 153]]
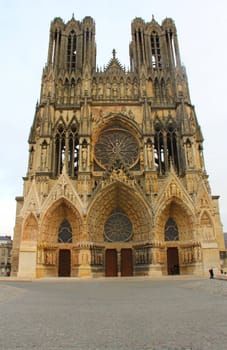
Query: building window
[[166, 148], [71, 51], [65, 232], [66, 150], [155, 52], [171, 230], [118, 227]]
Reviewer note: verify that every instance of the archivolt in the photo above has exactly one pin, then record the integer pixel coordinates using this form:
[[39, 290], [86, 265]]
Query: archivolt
[[121, 196], [61, 209]]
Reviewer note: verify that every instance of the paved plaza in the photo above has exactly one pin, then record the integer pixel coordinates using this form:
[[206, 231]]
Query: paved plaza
[[139, 313]]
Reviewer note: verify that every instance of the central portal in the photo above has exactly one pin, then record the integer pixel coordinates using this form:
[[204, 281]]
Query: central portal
[[112, 266]]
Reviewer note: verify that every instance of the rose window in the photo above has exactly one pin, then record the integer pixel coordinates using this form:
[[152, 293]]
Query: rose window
[[118, 227], [116, 144]]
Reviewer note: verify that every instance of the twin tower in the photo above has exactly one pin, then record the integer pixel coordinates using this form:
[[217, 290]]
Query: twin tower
[[116, 183]]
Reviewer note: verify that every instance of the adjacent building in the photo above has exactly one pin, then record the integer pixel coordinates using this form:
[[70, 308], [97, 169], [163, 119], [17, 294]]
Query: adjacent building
[[5, 255], [116, 182]]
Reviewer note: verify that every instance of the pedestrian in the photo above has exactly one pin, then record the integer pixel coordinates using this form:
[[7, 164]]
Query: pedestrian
[[211, 271]]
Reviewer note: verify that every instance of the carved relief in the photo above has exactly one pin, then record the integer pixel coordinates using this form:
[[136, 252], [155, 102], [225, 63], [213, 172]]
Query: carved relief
[[173, 190], [207, 230], [97, 256], [190, 254], [143, 256]]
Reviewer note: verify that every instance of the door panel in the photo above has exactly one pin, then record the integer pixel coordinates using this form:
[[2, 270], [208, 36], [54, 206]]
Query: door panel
[[126, 262], [64, 265], [173, 261], [111, 262]]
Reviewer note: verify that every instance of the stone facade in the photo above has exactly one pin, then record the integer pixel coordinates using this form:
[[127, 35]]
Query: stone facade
[[116, 183]]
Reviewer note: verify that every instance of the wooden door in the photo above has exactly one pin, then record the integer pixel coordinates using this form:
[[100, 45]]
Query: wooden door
[[173, 261], [64, 264], [111, 262], [126, 262]]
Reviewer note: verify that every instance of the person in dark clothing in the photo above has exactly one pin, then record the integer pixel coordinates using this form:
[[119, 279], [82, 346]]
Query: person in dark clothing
[[211, 271]]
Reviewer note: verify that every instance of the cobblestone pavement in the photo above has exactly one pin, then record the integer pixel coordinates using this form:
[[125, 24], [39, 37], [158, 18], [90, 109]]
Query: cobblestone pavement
[[143, 314]]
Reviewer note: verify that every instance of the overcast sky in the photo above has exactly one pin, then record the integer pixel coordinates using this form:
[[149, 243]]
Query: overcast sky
[[24, 24]]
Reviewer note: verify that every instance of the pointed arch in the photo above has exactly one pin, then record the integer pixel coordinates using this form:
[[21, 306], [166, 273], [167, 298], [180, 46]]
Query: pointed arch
[[156, 88], [66, 147], [94, 88], [206, 225], [119, 196], [120, 121], [172, 145], [73, 150], [30, 228], [167, 146], [159, 154], [163, 88], [72, 25], [71, 50], [54, 216], [156, 58], [59, 146], [176, 209], [150, 88], [169, 91]]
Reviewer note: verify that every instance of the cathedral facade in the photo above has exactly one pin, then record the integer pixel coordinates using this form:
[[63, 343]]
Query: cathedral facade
[[116, 183]]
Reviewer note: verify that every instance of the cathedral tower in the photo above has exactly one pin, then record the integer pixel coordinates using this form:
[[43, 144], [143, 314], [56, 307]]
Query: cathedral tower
[[116, 183]]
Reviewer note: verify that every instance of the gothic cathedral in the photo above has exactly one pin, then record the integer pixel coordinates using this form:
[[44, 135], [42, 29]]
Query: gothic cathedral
[[116, 183]]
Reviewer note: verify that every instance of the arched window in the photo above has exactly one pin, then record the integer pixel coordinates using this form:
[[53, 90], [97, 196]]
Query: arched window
[[71, 51], [59, 148], [159, 150], [172, 148], [156, 88], [65, 232], [155, 52], [66, 149], [166, 147], [163, 88], [56, 46], [171, 230], [73, 161]]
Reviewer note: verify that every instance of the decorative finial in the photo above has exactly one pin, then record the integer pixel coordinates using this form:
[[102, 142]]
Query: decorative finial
[[73, 16], [114, 53], [152, 17]]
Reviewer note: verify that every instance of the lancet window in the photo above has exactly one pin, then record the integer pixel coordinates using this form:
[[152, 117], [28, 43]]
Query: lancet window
[[71, 51], [172, 47], [73, 157], [66, 150], [172, 147], [166, 148], [59, 149], [171, 230], [56, 46], [155, 51]]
